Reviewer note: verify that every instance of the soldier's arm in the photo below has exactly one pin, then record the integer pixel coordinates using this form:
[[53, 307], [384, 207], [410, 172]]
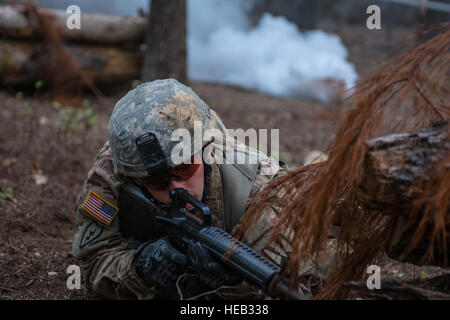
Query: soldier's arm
[[107, 257]]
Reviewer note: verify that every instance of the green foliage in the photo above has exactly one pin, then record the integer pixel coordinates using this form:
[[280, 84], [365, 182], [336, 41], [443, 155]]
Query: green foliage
[[56, 105], [6, 194], [86, 103], [92, 120], [395, 273], [38, 84], [76, 119], [28, 110], [254, 112], [65, 114]]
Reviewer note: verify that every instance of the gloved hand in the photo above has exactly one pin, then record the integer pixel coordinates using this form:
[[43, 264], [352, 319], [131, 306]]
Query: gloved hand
[[201, 261], [159, 262]]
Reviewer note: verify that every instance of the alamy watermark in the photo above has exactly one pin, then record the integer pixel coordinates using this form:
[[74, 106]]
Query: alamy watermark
[[373, 22], [73, 21], [74, 280], [228, 146], [374, 280]]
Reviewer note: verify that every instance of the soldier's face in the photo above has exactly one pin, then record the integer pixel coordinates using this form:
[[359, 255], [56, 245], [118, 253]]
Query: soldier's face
[[194, 185]]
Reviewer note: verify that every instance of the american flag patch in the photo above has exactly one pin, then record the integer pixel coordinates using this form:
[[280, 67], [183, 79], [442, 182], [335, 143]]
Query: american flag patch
[[101, 209]]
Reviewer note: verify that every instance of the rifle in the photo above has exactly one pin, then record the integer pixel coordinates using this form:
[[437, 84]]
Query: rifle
[[245, 261]]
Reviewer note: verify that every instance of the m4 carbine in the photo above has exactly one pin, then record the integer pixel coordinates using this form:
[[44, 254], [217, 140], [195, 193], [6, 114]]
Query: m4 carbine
[[245, 261]]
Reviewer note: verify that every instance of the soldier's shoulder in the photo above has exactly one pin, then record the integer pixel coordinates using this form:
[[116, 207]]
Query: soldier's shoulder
[[104, 158], [102, 171], [102, 182]]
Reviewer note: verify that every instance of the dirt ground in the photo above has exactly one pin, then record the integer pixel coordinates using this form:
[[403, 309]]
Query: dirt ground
[[45, 156], [47, 148]]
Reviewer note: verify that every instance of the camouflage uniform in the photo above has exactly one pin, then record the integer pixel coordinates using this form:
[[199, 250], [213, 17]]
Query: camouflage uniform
[[108, 256]]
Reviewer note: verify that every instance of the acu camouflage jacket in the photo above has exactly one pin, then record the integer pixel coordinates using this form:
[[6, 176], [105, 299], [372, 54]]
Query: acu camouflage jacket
[[108, 256]]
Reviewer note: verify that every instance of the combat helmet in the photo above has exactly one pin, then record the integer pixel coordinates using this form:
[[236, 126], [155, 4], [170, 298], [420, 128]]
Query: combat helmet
[[147, 116]]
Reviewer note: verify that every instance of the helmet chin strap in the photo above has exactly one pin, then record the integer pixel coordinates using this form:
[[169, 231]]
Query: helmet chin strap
[[207, 168]]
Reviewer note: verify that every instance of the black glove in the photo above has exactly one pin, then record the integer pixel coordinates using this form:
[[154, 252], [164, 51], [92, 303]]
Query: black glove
[[200, 260], [159, 262]]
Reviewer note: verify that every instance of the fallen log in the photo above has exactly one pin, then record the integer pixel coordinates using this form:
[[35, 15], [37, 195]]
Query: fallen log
[[395, 163], [430, 289], [22, 62], [398, 169], [16, 22]]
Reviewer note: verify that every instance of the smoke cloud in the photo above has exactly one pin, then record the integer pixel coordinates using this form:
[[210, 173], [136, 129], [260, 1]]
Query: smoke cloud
[[274, 57]]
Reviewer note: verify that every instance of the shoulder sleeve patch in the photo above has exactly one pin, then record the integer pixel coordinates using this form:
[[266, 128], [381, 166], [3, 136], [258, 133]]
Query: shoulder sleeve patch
[[101, 209]]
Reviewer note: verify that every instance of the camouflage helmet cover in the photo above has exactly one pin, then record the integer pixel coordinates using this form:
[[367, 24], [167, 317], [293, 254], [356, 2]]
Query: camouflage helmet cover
[[160, 107]]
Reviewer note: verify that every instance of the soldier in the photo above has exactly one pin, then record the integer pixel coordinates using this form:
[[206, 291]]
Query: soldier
[[150, 264]]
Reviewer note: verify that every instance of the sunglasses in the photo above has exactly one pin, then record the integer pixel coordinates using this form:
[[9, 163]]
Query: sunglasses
[[161, 180]]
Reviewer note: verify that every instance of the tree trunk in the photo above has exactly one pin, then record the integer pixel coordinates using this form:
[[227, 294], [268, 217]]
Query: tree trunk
[[166, 52]]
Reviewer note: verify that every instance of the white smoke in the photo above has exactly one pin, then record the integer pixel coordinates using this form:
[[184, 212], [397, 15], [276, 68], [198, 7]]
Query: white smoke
[[274, 57]]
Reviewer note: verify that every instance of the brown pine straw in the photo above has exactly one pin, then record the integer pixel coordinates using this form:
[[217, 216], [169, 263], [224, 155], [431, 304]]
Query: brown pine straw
[[61, 71], [408, 93]]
